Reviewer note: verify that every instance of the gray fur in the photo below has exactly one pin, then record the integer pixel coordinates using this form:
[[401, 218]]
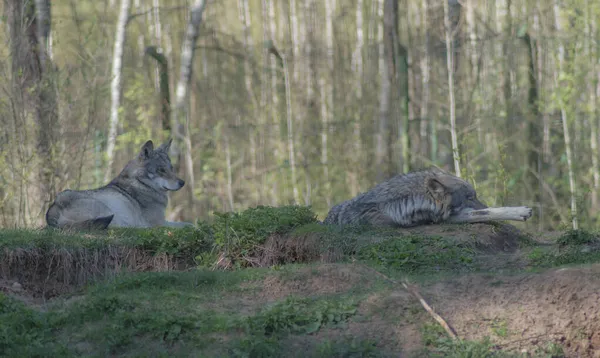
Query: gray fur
[[416, 198], [137, 197]]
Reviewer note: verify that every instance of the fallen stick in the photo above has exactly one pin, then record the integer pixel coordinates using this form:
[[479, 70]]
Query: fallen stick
[[424, 303], [516, 213]]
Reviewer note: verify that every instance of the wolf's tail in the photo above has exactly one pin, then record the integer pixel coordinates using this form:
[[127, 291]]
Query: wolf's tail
[[100, 223]]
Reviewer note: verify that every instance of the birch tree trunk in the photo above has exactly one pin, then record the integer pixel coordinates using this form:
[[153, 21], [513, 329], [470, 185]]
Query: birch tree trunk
[[591, 29], [424, 66], [384, 103], [326, 89], [182, 132], [290, 130], [115, 86], [276, 129], [565, 123], [450, 68], [358, 69], [245, 19]]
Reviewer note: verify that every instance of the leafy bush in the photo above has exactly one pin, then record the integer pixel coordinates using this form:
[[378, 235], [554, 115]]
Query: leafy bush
[[296, 315], [418, 254], [577, 237], [26, 333], [239, 234]]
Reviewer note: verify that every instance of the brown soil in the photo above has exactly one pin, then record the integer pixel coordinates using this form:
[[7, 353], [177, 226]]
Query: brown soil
[[520, 312]]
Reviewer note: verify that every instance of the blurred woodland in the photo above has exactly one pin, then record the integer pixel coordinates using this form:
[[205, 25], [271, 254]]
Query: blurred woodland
[[303, 101]]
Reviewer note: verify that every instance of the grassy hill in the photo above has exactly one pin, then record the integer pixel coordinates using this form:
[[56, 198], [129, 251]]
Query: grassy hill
[[273, 282]]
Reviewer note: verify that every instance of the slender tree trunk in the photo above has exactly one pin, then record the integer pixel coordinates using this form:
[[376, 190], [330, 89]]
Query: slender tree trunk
[[116, 86], [424, 66], [182, 132], [289, 118], [163, 80], [534, 130], [35, 96], [229, 175], [276, 128], [398, 59], [450, 68], [44, 16], [265, 95], [245, 19], [384, 104], [357, 156], [565, 123], [326, 89], [47, 106], [591, 29], [295, 40]]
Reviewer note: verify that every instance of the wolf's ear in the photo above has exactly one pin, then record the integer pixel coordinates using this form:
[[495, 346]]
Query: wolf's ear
[[436, 188], [146, 151], [166, 146]]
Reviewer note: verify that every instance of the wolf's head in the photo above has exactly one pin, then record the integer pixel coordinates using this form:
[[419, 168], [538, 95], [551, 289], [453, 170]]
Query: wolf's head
[[154, 168], [454, 192]]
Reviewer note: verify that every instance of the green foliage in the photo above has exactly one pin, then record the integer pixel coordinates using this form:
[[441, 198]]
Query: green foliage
[[441, 345], [25, 332], [574, 247], [300, 316], [577, 237], [256, 346], [239, 234], [186, 241], [419, 254], [348, 347]]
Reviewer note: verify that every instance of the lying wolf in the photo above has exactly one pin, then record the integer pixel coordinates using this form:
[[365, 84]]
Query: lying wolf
[[418, 198], [137, 197]]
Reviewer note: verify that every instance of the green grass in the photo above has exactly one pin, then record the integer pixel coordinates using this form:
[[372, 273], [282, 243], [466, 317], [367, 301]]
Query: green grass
[[202, 312]]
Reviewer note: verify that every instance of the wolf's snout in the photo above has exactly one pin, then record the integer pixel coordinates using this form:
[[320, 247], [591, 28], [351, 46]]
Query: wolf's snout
[[181, 183]]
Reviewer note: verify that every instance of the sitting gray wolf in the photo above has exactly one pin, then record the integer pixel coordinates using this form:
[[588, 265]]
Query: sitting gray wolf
[[137, 197], [417, 198]]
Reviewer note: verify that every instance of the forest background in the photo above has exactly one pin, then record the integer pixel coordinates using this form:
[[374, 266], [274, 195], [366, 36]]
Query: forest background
[[276, 102]]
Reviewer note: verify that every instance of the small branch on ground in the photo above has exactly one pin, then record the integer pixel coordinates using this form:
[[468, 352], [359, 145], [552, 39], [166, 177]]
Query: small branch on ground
[[412, 289]]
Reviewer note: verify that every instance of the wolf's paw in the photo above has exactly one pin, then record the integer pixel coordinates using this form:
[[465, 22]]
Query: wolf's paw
[[525, 212]]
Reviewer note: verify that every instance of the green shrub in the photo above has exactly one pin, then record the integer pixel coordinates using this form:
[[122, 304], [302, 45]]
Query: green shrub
[[239, 234]]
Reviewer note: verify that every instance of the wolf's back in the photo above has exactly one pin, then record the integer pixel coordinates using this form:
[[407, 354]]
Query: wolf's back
[[402, 200]]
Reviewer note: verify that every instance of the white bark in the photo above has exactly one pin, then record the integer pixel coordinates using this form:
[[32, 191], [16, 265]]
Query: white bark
[[115, 85], [358, 70], [517, 213], [450, 68], [295, 40], [384, 99], [277, 152], [326, 89], [566, 134], [42, 9], [229, 175], [181, 94], [290, 130], [424, 64], [591, 50]]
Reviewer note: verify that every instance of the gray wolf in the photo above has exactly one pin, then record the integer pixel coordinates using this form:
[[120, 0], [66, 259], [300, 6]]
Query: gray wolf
[[137, 197], [417, 198]]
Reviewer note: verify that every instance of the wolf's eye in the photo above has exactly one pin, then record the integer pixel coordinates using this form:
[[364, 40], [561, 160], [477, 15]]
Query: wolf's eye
[[161, 170]]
